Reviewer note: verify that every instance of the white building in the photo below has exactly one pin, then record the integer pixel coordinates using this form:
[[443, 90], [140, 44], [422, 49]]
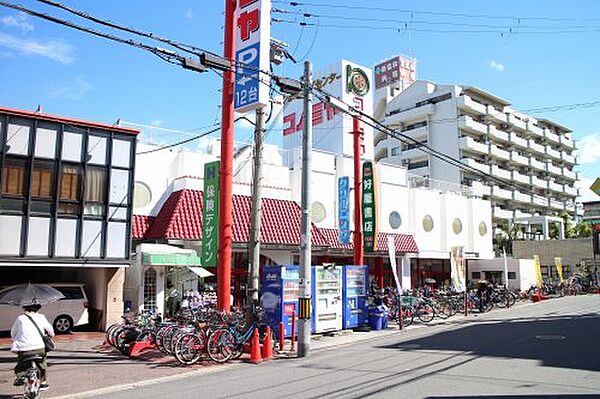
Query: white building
[[533, 157]]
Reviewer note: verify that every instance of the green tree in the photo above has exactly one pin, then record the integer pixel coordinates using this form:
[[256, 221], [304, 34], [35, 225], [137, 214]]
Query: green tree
[[583, 230]]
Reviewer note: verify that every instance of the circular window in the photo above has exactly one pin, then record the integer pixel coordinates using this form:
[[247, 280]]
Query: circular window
[[141, 195], [427, 223], [482, 229], [317, 212], [395, 220], [457, 226]]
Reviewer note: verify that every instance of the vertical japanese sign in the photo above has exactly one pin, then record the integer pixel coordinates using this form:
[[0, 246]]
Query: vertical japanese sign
[[538, 271], [457, 268], [253, 47], [369, 205], [559, 268], [399, 70], [344, 210], [210, 215]]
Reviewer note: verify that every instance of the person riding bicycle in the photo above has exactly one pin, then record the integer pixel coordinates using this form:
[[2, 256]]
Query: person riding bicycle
[[27, 342]]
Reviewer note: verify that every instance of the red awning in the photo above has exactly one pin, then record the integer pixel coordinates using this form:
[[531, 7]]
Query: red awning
[[404, 242]]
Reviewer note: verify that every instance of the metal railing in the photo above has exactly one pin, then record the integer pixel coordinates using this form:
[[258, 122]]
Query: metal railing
[[416, 181]]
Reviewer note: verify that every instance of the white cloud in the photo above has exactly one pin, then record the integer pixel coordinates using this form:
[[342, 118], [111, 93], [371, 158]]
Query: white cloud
[[56, 50], [497, 66], [189, 14], [589, 148], [585, 194], [73, 90], [156, 122], [17, 21]]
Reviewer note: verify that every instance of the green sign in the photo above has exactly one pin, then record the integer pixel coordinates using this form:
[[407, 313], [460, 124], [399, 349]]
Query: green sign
[[595, 187], [369, 207], [210, 215]]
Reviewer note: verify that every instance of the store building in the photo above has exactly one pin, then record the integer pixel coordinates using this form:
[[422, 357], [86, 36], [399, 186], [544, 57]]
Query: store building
[[66, 204], [534, 157]]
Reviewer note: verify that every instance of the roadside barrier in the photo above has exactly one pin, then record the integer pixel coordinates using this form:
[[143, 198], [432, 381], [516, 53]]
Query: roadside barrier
[[255, 356], [267, 346]]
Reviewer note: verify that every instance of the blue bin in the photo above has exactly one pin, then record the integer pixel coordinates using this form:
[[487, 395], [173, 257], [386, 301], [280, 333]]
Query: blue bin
[[378, 318]]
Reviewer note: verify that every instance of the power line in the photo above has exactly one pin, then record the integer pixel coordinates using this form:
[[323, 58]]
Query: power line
[[566, 107]]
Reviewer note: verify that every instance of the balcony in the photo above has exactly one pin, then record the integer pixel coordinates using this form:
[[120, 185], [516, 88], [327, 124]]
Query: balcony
[[497, 135], [413, 153], [470, 145], [535, 147], [468, 125], [570, 190], [538, 183], [479, 189], [551, 152], [551, 136], [485, 168], [379, 137], [419, 133], [539, 201], [570, 207], [495, 115], [466, 103], [516, 122], [569, 174], [556, 205], [500, 213], [501, 193], [501, 173], [519, 159], [566, 158], [409, 115], [381, 154], [558, 188], [535, 130], [517, 141], [555, 170], [520, 214], [535, 164], [520, 197], [567, 141], [518, 177], [499, 153]]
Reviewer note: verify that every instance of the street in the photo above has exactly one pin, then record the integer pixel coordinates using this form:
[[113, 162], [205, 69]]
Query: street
[[548, 349]]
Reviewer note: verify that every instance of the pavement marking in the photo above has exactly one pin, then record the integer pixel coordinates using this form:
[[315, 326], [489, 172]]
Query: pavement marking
[[550, 337]]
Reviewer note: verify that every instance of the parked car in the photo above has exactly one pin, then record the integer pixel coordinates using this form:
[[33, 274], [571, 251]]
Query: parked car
[[64, 314]]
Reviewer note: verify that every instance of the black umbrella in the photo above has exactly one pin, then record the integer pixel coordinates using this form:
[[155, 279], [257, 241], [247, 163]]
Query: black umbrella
[[30, 294]]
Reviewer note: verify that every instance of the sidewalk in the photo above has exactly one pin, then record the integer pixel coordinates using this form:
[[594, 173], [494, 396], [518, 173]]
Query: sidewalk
[[81, 364]]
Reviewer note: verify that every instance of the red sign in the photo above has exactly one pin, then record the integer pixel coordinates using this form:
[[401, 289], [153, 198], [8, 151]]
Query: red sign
[[289, 308], [398, 69], [320, 112]]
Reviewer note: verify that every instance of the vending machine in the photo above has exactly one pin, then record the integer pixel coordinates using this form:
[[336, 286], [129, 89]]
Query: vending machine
[[279, 297], [354, 295], [327, 298]]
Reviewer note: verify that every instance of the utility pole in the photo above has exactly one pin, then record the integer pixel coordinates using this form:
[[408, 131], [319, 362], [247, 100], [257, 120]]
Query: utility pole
[[305, 236], [225, 177], [254, 239], [358, 241]]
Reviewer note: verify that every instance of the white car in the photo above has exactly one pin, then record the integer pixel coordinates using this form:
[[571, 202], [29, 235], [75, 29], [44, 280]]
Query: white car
[[63, 314]]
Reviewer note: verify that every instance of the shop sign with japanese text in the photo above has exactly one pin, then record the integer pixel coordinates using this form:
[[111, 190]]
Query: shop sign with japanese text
[[210, 215], [369, 206], [344, 209], [253, 46]]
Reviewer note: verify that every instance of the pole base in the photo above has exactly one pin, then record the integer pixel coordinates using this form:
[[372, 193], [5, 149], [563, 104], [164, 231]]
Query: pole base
[[303, 349]]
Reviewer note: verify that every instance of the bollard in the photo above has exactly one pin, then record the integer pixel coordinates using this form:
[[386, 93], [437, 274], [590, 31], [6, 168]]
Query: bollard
[[281, 335], [293, 330]]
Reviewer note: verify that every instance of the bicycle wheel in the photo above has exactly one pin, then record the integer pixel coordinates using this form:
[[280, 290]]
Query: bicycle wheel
[[221, 345], [407, 317], [189, 347], [425, 312], [442, 310]]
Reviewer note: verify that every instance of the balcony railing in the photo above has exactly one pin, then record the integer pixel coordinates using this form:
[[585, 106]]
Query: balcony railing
[[476, 165], [501, 193], [520, 197], [567, 141], [558, 205], [551, 152], [535, 147], [538, 200], [516, 122], [555, 170], [518, 177], [555, 187], [539, 183], [409, 115], [499, 172], [499, 153], [517, 158], [535, 130], [497, 135], [416, 181], [517, 141], [570, 159], [570, 190], [469, 144], [466, 103], [551, 136], [467, 124], [500, 213], [535, 164], [495, 115], [569, 174]]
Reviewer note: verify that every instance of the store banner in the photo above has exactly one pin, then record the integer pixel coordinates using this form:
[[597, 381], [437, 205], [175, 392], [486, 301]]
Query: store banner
[[457, 268], [559, 268], [538, 271], [369, 207], [344, 209], [210, 215], [392, 253]]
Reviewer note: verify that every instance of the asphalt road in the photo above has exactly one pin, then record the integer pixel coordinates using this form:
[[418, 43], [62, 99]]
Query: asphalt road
[[545, 350]]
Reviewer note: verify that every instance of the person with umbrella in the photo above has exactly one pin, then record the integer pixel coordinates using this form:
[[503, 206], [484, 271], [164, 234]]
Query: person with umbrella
[[28, 329]]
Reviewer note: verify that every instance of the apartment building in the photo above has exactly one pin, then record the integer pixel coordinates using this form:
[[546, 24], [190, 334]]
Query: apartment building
[[532, 159]]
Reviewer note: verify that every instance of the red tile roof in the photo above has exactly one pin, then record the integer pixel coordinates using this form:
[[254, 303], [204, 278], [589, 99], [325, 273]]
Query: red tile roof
[[181, 218], [404, 242], [140, 225]]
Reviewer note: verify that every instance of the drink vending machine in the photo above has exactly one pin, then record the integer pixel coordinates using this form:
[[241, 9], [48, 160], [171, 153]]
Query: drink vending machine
[[327, 298], [354, 295], [280, 295]]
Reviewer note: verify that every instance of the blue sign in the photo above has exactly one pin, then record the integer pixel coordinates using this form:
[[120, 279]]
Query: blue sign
[[344, 209], [247, 78]]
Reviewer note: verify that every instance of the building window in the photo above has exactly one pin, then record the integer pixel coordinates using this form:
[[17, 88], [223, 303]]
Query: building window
[[14, 176], [395, 220], [427, 223], [70, 180], [42, 180], [417, 165], [150, 289], [95, 191], [411, 146], [395, 151], [512, 275], [17, 139], [476, 275], [457, 226]]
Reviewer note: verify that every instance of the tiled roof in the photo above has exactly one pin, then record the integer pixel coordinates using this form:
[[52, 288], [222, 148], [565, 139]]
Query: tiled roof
[[140, 225], [181, 218], [404, 242]]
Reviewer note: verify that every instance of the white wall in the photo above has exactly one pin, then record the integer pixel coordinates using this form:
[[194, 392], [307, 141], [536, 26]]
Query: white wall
[[426, 202], [523, 268], [454, 207], [480, 211]]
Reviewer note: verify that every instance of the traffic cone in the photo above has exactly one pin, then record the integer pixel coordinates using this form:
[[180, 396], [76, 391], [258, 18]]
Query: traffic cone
[[267, 348], [255, 352]]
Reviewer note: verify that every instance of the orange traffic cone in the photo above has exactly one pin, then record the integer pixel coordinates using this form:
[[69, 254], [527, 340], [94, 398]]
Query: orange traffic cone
[[255, 351], [267, 348]]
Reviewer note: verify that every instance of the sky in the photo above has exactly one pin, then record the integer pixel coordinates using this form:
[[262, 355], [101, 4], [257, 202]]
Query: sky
[[532, 53]]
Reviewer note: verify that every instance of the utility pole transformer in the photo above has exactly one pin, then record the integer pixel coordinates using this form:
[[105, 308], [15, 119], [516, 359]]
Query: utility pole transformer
[[305, 235], [254, 240]]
